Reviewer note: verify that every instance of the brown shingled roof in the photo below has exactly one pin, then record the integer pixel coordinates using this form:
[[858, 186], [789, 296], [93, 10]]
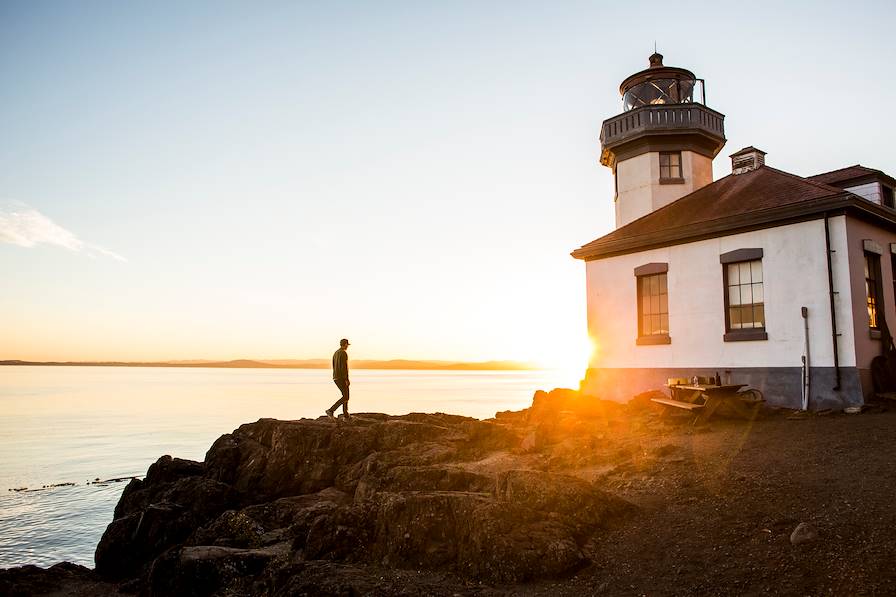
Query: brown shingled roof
[[760, 198], [850, 173]]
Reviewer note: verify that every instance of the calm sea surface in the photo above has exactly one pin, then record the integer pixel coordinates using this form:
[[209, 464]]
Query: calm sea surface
[[83, 424]]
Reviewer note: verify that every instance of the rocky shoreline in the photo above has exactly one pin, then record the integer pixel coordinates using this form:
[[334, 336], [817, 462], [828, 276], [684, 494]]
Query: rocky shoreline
[[534, 501]]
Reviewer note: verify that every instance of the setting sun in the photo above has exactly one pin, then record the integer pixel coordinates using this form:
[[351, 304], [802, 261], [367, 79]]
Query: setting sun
[[569, 361]]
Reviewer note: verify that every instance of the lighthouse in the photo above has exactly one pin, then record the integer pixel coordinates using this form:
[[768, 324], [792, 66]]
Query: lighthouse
[[660, 148]]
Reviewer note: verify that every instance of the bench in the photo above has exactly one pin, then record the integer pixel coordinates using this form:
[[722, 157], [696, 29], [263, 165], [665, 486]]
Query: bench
[[677, 403], [709, 397]]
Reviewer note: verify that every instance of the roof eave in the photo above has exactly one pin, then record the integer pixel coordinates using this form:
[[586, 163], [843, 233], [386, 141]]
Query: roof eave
[[736, 224]]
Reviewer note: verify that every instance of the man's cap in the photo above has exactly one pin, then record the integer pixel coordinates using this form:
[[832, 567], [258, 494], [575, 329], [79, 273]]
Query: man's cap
[[344, 341]]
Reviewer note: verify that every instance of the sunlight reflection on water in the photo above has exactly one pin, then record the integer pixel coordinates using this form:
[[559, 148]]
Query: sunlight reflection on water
[[76, 424]]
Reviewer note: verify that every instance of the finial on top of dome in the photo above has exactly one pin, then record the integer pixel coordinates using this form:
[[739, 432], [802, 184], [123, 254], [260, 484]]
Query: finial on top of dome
[[656, 60]]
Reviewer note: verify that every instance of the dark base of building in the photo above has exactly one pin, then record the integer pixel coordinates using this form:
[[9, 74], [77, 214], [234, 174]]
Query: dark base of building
[[781, 386]]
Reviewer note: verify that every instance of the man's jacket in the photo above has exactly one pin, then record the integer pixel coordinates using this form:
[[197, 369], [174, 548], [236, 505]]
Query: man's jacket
[[340, 365]]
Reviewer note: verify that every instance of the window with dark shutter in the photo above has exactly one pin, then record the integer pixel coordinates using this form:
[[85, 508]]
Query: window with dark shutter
[[744, 289], [653, 304], [887, 196], [872, 288]]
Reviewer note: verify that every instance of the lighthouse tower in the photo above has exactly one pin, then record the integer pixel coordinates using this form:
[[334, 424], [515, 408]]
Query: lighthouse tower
[[661, 146]]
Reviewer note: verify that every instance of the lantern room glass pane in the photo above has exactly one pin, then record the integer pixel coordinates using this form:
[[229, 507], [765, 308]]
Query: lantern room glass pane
[[658, 92]]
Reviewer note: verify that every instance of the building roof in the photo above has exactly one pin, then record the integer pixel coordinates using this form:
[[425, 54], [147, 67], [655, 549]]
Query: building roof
[[746, 150], [762, 198], [850, 174]]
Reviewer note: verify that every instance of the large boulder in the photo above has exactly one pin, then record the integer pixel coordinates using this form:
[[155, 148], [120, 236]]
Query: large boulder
[[271, 459], [548, 405], [155, 515], [582, 502], [64, 578], [166, 470], [203, 570], [477, 536], [269, 522], [421, 492]]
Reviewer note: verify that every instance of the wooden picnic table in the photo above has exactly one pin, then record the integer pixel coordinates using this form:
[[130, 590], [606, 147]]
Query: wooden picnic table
[[705, 399]]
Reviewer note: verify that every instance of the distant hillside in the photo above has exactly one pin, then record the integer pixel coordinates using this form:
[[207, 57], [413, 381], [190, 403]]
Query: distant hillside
[[298, 364]]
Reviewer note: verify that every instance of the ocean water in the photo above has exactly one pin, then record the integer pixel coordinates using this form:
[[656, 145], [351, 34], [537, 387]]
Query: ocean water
[[66, 433]]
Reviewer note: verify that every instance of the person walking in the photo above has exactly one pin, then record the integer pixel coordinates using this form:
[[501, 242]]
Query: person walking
[[340, 378]]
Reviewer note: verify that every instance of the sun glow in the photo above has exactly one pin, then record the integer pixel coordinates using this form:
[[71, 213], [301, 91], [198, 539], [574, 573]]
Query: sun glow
[[570, 362]]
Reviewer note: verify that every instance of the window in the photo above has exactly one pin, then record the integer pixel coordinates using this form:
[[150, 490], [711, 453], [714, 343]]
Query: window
[[872, 288], [893, 269], [670, 166], [653, 303], [887, 196], [744, 295]]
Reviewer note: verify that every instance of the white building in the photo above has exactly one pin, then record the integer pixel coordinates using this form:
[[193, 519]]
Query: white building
[[703, 277]]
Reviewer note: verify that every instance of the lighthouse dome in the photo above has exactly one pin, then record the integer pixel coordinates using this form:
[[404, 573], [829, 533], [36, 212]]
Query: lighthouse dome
[[658, 84]]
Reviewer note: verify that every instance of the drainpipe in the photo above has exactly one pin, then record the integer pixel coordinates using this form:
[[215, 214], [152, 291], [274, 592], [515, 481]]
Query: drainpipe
[[806, 363], [834, 334]]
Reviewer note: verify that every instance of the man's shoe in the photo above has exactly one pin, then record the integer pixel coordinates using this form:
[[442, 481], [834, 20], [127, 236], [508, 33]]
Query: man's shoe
[[330, 414]]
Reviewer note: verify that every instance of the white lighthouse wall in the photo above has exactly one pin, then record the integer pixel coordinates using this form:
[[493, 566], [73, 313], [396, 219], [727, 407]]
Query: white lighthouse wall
[[639, 191], [794, 275]]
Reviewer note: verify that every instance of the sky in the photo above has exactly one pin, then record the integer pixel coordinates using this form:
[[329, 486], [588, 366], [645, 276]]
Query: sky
[[258, 180]]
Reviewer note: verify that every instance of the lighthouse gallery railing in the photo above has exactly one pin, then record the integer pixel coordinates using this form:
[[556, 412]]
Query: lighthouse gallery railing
[[659, 118]]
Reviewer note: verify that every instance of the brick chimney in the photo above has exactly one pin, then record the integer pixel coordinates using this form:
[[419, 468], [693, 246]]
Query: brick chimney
[[747, 160]]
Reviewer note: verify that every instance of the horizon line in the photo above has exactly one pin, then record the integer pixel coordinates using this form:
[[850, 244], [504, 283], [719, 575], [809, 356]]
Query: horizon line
[[420, 364]]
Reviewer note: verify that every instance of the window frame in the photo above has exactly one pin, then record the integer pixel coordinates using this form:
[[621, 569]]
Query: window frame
[[874, 302], [887, 198], [670, 179], [642, 272], [742, 334], [893, 268]]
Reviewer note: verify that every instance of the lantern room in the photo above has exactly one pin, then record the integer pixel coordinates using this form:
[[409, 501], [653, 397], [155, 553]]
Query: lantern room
[[661, 146], [660, 84]]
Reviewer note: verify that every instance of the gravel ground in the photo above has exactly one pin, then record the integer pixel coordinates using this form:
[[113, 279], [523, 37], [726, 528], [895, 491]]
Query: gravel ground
[[719, 505]]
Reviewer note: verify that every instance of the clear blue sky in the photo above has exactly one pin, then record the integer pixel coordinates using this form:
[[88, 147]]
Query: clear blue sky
[[224, 180]]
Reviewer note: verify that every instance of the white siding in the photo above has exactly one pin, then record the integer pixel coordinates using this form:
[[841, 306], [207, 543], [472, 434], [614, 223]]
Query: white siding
[[794, 273], [640, 192], [870, 191]]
